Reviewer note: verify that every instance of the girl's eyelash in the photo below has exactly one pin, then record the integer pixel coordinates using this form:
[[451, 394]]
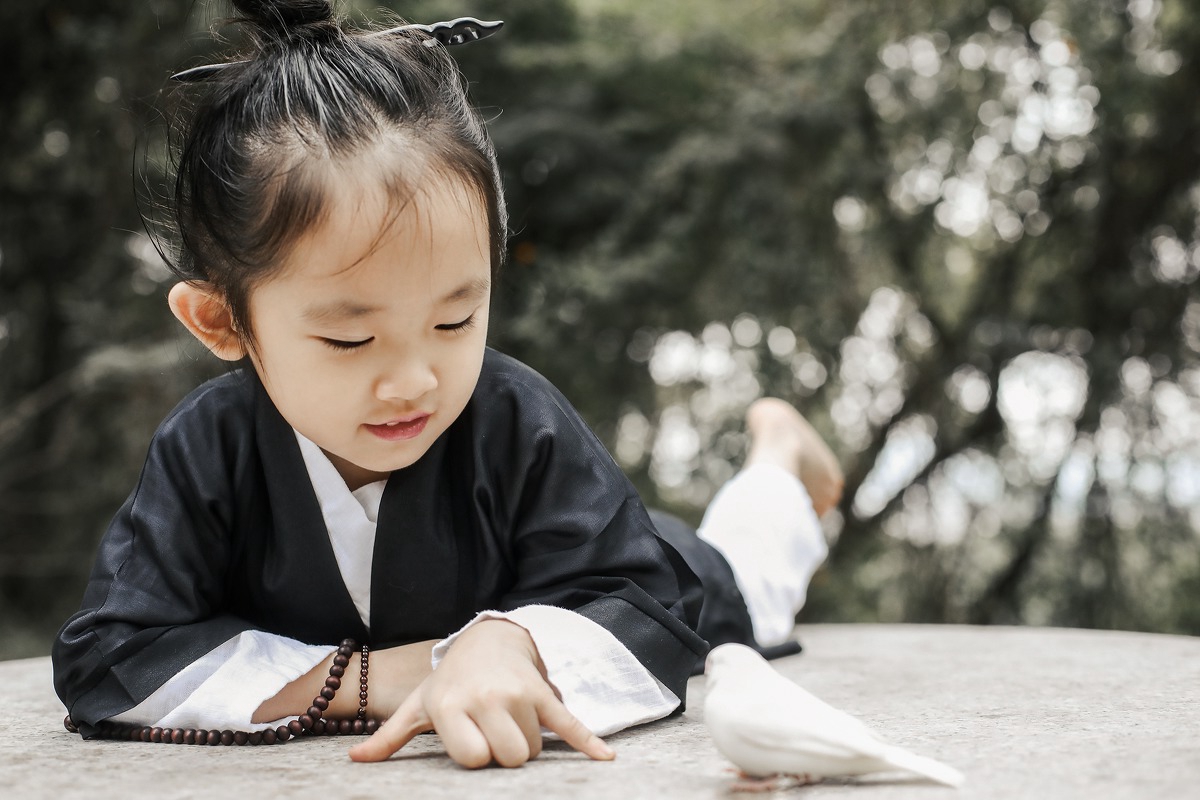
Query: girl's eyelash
[[338, 344], [458, 326]]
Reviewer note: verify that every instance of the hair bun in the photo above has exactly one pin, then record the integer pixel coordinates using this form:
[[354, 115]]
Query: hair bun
[[281, 15]]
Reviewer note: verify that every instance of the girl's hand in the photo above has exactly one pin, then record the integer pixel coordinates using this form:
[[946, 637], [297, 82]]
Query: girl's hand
[[488, 700]]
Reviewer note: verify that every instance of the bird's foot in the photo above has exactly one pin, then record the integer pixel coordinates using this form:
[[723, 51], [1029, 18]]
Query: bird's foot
[[771, 783]]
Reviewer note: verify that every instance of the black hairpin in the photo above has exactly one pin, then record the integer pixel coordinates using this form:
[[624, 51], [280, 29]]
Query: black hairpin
[[463, 30]]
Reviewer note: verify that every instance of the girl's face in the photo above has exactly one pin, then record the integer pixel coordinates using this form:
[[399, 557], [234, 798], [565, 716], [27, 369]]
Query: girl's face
[[370, 337]]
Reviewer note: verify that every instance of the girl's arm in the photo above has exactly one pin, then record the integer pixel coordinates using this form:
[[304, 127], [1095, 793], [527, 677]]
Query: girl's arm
[[238, 685], [393, 674], [222, 688], [576, 532], [159, 634]]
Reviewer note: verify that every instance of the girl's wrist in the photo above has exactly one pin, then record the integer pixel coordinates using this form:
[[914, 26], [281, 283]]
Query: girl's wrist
[[296, 697], [504, 632], [395, 674]]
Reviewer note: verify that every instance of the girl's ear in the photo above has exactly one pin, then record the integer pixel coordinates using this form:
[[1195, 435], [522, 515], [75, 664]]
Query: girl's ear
[[204, 312]]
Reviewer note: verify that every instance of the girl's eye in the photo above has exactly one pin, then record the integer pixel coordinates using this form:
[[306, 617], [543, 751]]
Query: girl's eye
[[338, 344], [458, 326]]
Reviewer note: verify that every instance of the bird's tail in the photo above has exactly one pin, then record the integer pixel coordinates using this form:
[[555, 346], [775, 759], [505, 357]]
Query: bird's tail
[[925, 767]]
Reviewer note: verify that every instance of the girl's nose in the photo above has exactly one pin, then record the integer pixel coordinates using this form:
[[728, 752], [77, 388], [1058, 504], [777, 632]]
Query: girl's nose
[[406, 380]]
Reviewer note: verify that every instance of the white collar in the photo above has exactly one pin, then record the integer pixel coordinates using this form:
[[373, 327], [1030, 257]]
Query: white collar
[[350, 519]]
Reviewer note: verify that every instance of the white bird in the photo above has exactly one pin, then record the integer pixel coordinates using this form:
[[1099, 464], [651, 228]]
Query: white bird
[[767, 725]]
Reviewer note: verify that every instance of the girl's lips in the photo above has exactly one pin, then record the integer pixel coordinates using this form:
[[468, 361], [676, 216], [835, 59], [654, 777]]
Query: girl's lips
[[399, 430]]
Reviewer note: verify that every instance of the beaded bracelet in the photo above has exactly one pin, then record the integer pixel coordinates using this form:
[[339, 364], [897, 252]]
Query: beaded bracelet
[[309, 723], [362, 682]]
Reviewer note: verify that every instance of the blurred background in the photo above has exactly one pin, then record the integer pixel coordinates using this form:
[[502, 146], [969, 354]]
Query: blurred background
[[963, 235]]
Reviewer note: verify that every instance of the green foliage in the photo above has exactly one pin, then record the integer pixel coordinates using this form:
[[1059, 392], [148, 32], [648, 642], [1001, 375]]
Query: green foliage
[[963, 236], [88, 359]]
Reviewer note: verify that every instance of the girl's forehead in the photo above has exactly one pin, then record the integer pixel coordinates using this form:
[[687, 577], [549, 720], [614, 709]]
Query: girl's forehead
[[432, 226], [364, 188]]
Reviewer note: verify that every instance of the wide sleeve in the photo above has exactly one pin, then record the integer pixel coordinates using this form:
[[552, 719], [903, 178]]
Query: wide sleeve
[[598, 680], [153, 603], [223, 688], [580, 537]]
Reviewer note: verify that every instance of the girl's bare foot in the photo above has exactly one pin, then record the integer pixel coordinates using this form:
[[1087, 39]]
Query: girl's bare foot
[[780, 435]]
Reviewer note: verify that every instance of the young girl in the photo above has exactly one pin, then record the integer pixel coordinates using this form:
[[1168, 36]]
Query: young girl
[[376, 473]]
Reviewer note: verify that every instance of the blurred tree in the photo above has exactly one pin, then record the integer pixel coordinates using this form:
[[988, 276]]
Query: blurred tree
[[88, 361], [968, 231], [963, 235]]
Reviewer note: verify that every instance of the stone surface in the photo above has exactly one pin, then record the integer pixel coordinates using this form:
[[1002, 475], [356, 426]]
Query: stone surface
[[1025, 713]]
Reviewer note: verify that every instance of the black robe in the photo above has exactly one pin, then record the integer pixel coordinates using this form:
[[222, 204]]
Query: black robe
[[516, 503]]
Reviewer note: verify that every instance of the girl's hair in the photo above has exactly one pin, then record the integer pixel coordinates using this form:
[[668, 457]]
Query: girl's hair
[[253, 170]]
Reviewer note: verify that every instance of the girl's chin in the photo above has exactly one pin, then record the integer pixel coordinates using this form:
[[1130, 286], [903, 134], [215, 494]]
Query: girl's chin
[[357, 474], [380, 468]]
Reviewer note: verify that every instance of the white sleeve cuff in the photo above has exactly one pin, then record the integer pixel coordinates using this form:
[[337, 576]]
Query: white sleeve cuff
[[601, 683], [223, 688]]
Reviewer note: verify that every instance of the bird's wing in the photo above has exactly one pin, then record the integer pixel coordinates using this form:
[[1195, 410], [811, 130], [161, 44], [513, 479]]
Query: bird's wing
[[784, 717]]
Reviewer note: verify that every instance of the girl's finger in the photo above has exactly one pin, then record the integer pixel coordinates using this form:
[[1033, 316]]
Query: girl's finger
[[526, 718], [505, 738], [409, 720], [463, 740], [554, 715]]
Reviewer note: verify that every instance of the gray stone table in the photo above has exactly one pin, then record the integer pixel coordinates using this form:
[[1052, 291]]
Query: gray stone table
[[1025, 713]]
